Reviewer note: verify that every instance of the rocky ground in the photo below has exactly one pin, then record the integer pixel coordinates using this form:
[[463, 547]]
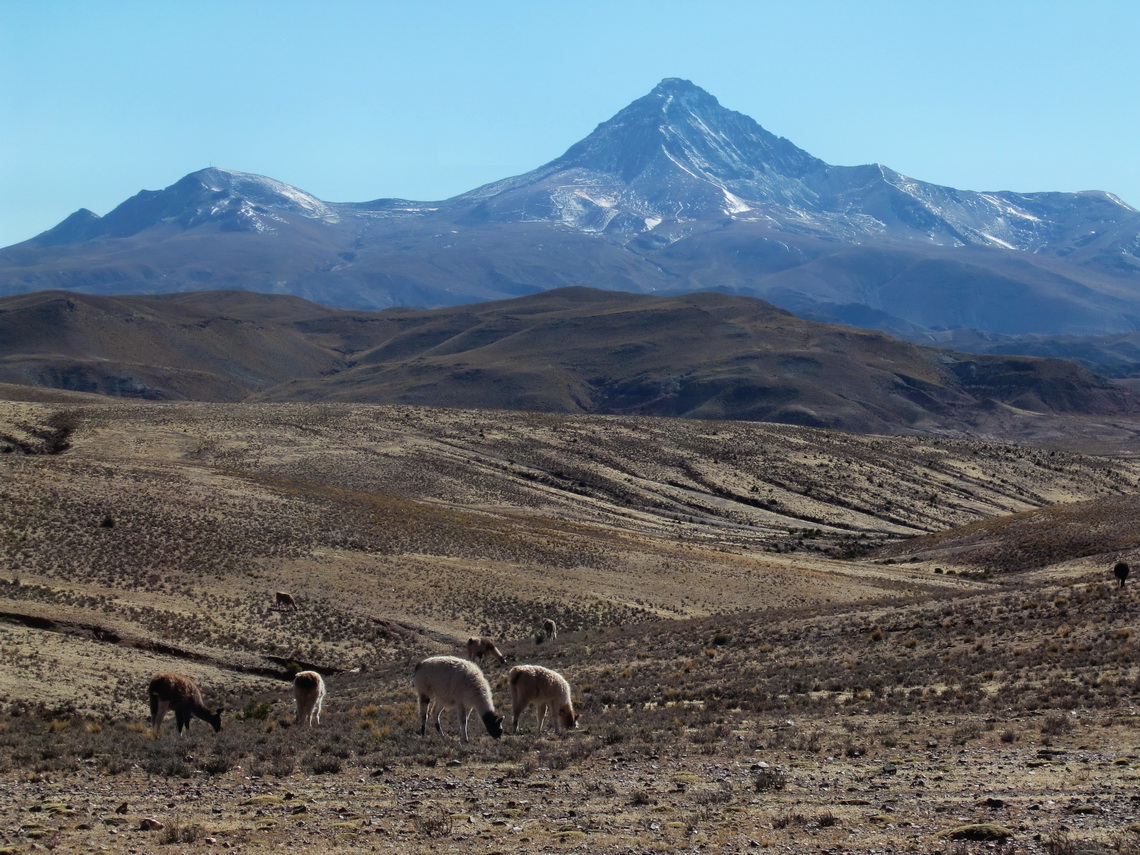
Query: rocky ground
[[763, 659]]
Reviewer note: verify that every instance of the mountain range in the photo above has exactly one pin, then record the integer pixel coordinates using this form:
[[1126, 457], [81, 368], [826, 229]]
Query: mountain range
[[569, 350], [674, 194]]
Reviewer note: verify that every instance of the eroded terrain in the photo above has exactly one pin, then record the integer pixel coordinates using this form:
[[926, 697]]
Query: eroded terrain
[[763, 657]]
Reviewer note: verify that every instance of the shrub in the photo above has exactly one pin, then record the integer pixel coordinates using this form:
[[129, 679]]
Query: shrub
[[256, 710], [768, 778], [174, 833]]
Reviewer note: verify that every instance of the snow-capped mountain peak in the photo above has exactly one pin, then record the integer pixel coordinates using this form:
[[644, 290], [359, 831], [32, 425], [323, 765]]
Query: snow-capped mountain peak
[[260, 190], [674, 192], [229, 200]]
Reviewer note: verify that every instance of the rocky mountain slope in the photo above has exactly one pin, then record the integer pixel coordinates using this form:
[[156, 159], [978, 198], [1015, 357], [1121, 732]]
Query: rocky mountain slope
[[674, 194]]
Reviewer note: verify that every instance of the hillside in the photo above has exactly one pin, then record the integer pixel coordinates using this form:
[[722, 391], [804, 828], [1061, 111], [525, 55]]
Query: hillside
[[575, 350], [177, 522], [751, 668]]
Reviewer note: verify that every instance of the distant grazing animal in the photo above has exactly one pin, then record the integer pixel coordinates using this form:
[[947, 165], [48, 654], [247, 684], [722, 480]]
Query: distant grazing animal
[[285, 600], [477, 648], [546, 689], [1121, 571], [448, 681], [178, 693], [549, 629], [309, 693]]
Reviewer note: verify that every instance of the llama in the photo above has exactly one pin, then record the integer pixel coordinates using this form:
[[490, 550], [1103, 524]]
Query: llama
[[549, 629], [309, 693], [178, 693], [477, 648], [546, 689], [448, 681], [1121, 571], [284, 600]]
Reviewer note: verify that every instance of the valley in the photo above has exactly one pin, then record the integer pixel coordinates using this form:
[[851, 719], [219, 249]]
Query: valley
[[778, 636]]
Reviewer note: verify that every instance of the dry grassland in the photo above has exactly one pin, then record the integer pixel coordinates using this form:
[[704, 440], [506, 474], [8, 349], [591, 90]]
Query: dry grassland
[[764, 658]]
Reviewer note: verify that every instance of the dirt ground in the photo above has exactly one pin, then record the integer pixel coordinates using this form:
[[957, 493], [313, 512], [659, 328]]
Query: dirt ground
[[763, 658]]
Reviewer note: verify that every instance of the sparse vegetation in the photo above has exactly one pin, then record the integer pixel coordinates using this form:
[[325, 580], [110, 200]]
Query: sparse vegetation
[[732, 691]]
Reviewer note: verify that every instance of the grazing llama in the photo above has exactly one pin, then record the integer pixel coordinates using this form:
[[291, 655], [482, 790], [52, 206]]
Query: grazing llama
[[1120, 571], [284, 600], [546, 689], [477, 648], [448, 681], [549, 629], [309, 693], [178, 693]]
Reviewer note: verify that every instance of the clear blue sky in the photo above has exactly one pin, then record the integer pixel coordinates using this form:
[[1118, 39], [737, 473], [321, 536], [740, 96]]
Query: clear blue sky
[[353, 101]]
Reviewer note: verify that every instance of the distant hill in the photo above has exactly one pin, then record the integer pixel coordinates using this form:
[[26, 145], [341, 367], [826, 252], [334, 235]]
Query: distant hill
[[573, 350], [674, 194], [1116, 355]]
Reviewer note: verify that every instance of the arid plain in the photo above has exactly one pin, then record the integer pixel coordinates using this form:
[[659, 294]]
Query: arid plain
[[779, 639]]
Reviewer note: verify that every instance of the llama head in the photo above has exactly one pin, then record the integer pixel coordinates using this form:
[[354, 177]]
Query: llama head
[[493, 723], [568, 717]]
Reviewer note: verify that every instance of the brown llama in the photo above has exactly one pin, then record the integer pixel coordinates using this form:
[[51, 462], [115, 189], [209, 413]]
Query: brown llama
[[178, 693], [547, 690], [477, 648], [284, 600]]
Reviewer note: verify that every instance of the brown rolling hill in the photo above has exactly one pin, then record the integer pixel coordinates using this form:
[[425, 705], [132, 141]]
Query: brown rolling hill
[[572, 350]]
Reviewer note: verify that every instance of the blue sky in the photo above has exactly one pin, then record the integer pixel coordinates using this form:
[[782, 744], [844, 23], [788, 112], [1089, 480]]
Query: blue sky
[[353, 101]]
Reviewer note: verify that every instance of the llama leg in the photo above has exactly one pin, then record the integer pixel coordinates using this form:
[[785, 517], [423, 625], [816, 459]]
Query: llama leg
[[463, 712], [157, 714], [425, 703]]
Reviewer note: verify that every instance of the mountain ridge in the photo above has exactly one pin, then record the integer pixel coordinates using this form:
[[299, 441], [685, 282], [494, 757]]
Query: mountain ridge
[[673, 194]]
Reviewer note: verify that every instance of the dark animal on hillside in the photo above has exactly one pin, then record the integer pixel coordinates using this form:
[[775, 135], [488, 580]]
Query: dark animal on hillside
[[549, 629], [1120, 571], [477, 648], [285, 601], [178, 693]]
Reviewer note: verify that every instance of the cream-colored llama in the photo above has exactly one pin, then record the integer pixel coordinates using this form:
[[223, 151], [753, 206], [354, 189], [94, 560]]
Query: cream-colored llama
[[309, 694], [448, 681]]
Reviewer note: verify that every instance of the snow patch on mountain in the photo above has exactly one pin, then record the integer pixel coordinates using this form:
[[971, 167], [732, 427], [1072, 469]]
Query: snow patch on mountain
[[258, 190]]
